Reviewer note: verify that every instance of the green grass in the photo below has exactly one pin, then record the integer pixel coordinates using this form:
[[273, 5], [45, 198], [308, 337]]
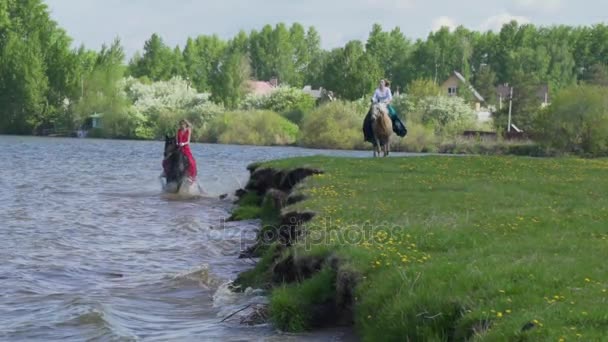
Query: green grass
[[448, 245], [291, 305]]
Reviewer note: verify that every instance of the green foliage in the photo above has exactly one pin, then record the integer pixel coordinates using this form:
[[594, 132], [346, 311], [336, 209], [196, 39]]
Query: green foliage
[[37, 68], [597, 75], [21, 94], [229, 85], [526, 104], [252, 128], [351, 72], [423, 87], [448, 115], [45, 85], [577, 121], [162, 104], [485, 83], [290, 102], [391, 50], [290, 306], [159, 62], [201, 57], [335, 124]]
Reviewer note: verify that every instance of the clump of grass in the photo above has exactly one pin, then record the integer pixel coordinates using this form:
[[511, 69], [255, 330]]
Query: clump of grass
[[291, 305], [261, 275], [253, 206]]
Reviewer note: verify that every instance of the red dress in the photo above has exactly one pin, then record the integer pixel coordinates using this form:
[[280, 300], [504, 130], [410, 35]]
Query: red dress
[[182, 137]]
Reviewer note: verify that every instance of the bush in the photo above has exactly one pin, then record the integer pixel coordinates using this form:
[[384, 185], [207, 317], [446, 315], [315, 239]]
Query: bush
[[290, 102], [576, 121], [423, 87], [160, 105], [419, 138], [405, 105], [335, 124], [251, 128], [449, 115]]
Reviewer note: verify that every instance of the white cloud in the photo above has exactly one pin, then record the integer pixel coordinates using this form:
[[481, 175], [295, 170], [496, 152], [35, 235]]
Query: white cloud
[[539, 5], [496, 22], [442, 21]]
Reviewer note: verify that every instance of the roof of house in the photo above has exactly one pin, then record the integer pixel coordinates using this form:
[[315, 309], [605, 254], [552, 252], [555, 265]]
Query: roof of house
[[260, 87], [463, 80]]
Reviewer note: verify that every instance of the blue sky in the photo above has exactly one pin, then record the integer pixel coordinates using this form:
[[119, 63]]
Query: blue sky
[[94, 22]]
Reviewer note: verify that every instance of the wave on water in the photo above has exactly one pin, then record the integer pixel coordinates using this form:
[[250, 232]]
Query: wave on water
[[99, 318], [237, 305], [201, 275]]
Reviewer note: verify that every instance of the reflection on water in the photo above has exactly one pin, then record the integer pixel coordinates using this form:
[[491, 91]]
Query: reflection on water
[[91, 248]]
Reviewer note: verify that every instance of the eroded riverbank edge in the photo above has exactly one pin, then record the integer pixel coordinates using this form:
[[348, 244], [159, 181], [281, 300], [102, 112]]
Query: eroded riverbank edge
[[269, 195]]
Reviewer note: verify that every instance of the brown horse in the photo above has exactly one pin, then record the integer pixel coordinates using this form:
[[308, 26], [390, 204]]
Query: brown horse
[[382, 127]]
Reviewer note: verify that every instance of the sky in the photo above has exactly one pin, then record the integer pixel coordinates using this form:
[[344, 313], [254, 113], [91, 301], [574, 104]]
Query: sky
[[94, 22]]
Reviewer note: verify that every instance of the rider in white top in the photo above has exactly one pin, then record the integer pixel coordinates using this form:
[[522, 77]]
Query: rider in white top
[[382, 93]]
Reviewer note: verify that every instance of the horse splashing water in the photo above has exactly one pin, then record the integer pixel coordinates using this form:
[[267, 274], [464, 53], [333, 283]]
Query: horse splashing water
[[175, 166], [382, 128]]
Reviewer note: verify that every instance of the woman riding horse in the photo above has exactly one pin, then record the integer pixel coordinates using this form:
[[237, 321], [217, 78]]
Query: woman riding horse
[[383, 94], [182, 140]]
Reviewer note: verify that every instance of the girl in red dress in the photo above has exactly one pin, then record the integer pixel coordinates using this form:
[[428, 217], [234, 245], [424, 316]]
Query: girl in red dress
[[183, 141]]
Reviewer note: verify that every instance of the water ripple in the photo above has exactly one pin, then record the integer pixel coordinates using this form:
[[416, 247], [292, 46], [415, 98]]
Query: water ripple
[[92, 250]]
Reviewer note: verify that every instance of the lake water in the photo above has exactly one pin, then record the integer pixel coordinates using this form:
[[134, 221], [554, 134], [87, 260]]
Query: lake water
[[91, 249]]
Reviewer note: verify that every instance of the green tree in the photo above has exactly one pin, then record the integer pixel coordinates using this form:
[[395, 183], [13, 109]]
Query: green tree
[[561, 71], [201, 57], [103, 94], [577, 121], [178, 66], [230, 79], [526, 104], [351, 72], [485, 83], [156, 63], [391, 51], [423, 87], [597, 74], [316, 57], [23, 85]]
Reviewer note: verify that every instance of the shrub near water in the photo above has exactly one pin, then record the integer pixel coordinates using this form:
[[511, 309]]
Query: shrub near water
[[252, 128], [335, 124], [290, 102]]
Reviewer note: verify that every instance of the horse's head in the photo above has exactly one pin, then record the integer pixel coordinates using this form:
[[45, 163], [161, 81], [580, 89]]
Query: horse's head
[[174, 163], [379, 109], [170, 145]]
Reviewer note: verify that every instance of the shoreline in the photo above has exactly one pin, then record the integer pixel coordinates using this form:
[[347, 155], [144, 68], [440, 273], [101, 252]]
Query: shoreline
[[463, 147], [414, 228]]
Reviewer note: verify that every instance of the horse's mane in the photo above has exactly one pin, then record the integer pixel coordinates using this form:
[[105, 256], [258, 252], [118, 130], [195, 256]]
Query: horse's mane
[[379, 110]]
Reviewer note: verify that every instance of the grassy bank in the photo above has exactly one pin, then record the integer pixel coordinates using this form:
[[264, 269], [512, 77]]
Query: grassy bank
[[440, 248]]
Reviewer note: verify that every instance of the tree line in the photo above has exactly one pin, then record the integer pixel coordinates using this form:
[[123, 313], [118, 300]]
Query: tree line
[[45, 83]]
